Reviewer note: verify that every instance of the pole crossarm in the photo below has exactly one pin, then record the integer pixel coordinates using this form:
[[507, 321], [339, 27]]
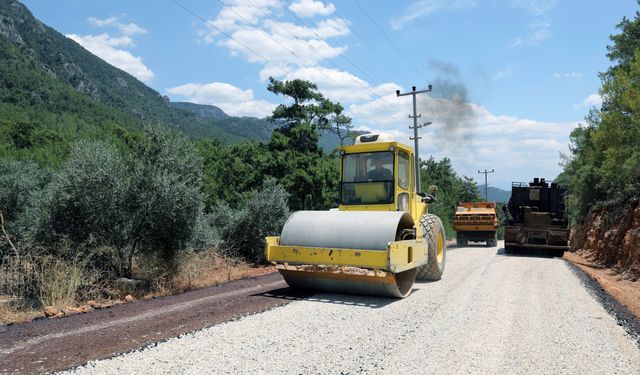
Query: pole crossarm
[[486, 191], [415, 128]]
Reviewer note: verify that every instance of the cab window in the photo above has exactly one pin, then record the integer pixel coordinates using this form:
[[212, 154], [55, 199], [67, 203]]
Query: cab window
[[403, 170], [367, 178]]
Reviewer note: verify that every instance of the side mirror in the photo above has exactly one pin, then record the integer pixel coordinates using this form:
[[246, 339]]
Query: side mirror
[[429, 199], [422, 194], [433, 190]]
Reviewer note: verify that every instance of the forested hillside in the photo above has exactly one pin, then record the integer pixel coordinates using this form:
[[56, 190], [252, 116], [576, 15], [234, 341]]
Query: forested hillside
[[48, 72], [53, 85], [603, 169]]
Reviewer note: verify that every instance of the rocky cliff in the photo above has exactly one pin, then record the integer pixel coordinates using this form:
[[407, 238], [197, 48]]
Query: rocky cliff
[[611, 238]]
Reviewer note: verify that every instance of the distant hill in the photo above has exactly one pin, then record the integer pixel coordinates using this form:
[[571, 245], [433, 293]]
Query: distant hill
[[201, 110], [495, 194], [261, 128]]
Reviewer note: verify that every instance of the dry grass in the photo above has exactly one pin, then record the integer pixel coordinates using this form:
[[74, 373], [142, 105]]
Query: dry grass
[[59, 281], [16, 312], [202, 269], [64, 284]]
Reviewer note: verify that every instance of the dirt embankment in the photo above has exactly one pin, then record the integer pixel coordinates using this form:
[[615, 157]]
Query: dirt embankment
[[611, 240]]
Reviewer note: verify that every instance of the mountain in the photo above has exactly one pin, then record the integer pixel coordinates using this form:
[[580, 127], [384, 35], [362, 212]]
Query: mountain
[[53, 92], [50, 80], [201, 110], [495, 194], [260, 129], [56, 91]]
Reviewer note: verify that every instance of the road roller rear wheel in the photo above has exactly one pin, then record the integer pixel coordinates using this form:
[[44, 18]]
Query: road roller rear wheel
[[437, 254]]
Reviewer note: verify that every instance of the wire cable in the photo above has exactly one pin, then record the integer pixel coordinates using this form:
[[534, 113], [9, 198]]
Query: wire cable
[[284, 70], [389, 40], [230, 36], [267, 13], [308, 27]]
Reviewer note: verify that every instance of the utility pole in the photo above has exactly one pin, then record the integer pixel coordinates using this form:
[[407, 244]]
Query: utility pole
[[415, 129], [486, 191]]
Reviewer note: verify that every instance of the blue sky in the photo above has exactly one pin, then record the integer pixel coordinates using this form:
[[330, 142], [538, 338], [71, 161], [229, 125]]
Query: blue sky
[[511, 78]]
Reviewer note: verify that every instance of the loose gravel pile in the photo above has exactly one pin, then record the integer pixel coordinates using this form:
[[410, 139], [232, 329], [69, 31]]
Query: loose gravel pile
[[490, 313]]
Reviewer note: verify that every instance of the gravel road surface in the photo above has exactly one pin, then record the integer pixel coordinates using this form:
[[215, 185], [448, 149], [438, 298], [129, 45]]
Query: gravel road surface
[[491, 313]]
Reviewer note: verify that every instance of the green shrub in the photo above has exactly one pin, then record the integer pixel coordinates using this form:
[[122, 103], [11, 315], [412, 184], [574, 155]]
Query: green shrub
[[21, 186], [205, 233], [147, 201], [85, 201], [165, 200], [243, 231]]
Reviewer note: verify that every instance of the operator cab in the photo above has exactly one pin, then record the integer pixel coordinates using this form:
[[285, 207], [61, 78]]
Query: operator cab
[[376, 170]]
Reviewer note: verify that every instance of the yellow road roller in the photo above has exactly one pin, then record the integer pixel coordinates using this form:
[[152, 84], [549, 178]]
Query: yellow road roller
[[381, 237]]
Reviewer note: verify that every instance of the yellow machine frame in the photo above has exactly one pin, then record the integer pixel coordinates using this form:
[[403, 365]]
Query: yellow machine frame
[[399, 255]]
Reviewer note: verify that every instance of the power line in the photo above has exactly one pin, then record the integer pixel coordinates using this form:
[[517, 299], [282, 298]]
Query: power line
[[381, 56], [229, 36], [305, 62], [389, 40], [287, 72], [322, 39]]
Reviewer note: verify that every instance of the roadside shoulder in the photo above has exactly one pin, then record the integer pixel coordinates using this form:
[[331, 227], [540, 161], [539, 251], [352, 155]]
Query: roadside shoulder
[[623, 315]]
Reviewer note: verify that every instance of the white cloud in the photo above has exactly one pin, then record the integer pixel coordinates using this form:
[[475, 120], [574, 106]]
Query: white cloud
[[505, 73], [567, 75], [328, 28], [539, 31], [334, 84], [424, 8], [232, 100], [131, 29], [279, 49], [104, 45], [125, 28], [256, 37], [112, 48], [310, 8], [102, 23], [535, 7], [591, 101]]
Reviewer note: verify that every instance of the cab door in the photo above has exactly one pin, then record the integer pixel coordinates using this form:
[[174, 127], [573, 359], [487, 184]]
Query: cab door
[[403, 181]]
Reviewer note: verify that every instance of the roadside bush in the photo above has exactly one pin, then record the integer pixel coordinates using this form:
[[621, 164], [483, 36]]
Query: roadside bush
[[147, 201], [264, 214], [85, 201], [165, 200], [21, 186], [205, 233]]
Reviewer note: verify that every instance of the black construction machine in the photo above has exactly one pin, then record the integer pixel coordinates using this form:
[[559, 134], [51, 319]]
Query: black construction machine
[[536, 218]]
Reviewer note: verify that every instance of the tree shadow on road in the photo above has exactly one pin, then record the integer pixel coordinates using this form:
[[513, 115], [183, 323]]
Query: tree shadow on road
[[294, 294]]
